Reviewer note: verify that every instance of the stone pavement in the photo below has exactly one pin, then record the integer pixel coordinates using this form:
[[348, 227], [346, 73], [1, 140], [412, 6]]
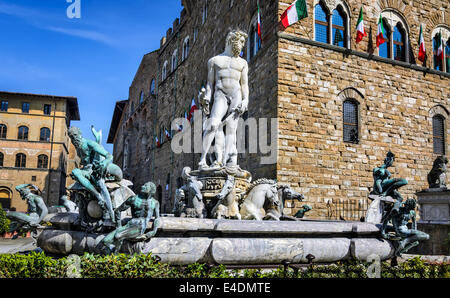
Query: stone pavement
[[8, 246]]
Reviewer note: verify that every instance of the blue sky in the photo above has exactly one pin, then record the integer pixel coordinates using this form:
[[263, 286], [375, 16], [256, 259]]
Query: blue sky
[[93, 58]]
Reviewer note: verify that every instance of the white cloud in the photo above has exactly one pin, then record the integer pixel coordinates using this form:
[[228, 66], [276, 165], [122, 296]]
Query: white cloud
[[38, 18], [86, 34]]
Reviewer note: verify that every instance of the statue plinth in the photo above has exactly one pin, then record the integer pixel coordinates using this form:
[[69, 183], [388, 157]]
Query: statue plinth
[[214, 179], [434, 206]]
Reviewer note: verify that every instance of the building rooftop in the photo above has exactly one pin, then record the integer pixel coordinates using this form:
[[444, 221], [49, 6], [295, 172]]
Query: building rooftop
[[118, 111], [74, 113]]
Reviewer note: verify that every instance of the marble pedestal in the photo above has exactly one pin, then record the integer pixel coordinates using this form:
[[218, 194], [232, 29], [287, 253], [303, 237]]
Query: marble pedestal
[[434, 205], [182, 241]]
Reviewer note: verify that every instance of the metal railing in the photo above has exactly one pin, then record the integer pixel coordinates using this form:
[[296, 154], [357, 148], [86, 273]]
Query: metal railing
[[347, 209]]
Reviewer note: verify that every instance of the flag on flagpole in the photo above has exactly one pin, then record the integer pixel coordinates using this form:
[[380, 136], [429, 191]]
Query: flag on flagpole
[[297, 11], [167, 134], [380, 33], [259, 21], [193, 108], [158, 144], [360, 29], [422, 51], [440, 47]]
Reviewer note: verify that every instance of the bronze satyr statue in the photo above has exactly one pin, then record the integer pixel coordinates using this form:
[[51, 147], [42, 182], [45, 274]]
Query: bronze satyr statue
[[384, 185], [22, 222], [143, 208], [400, 218]]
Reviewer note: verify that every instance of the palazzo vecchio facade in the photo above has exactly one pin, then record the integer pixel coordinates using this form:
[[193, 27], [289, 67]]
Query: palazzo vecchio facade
[[340, 105]]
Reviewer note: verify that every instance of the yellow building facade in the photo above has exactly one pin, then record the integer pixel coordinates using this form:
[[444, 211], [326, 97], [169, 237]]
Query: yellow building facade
[[34, 146]]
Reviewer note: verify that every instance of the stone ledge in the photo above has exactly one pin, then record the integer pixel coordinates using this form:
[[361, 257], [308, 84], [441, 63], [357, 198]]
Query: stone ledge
[[227, 251], [237, 228]]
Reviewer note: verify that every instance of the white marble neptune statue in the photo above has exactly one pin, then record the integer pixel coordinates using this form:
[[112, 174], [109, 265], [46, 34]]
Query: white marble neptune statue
[[228, 78]]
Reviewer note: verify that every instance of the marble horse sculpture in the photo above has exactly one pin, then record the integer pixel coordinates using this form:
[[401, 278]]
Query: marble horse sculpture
[[285, 193], [227, 205], [261, 197]]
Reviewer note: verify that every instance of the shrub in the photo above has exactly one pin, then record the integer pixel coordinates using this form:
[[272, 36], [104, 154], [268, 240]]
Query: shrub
[[4, 222], [34, 265], [38, 265]]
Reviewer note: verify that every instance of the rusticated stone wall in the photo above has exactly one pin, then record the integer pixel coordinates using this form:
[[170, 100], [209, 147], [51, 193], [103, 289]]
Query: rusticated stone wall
[[396, 103], [303, 83]]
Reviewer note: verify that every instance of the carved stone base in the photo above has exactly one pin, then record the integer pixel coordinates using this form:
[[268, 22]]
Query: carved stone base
[[182, 241], [434, 206], [213, 180]]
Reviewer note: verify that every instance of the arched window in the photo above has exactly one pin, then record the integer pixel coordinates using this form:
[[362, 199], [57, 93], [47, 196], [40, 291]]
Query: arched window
[[164, 70], [5, 198], [439, 134], [321, 20], [2, 158], [3, 131], [351, 129], [339, 21], [21, 160], [174, 60], [399, 43], [45, 135], [441, 48], [141, 97], [185, 48], [254, 42], [385, 48], [152, 87], [23, 133], [396, 45], [42, 161]]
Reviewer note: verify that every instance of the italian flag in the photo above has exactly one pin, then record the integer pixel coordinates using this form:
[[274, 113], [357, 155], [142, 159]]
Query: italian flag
[[193, 108], [380, 33], [259, 22], [422, 51], [440, 47], [167, 134], [297, 11], [360, 29]]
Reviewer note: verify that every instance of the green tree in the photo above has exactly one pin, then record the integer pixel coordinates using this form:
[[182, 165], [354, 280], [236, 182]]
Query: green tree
[[4, 222]]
